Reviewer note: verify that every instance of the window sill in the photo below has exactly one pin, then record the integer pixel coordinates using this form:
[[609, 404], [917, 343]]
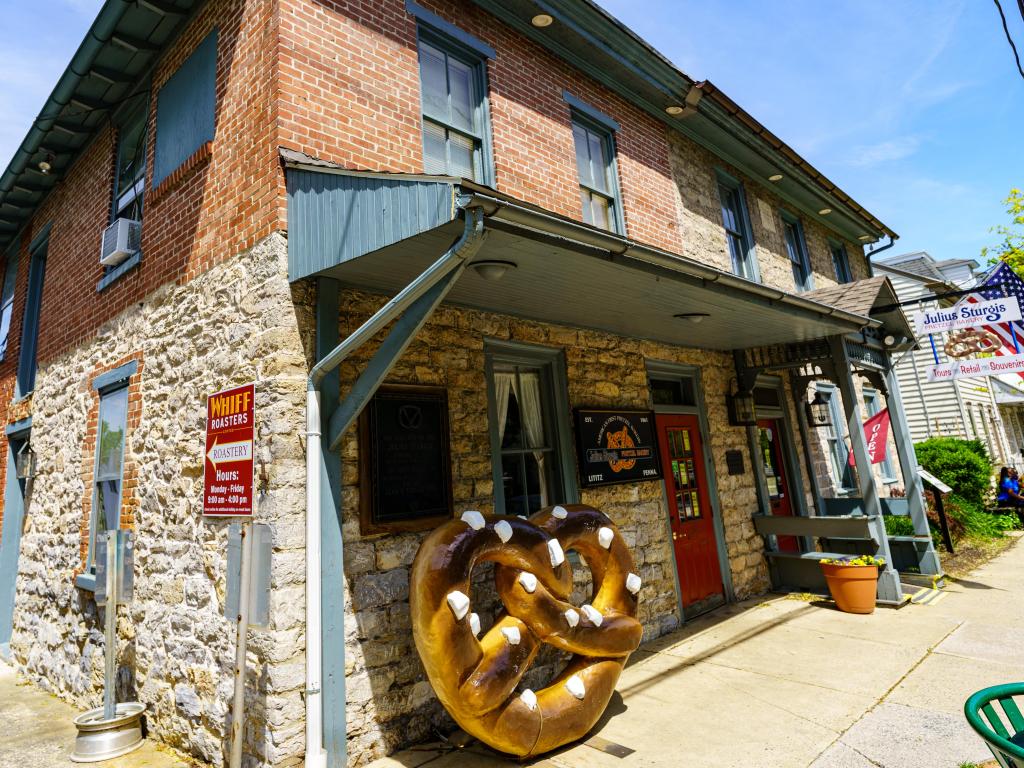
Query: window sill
[[86, 581], [889, 480], [125, 266]]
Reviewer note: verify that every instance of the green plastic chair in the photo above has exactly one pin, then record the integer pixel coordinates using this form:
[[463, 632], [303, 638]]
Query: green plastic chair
[[1004, 734]]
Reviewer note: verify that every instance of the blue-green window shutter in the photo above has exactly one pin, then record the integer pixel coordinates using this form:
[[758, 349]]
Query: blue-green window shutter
[[185, 109]]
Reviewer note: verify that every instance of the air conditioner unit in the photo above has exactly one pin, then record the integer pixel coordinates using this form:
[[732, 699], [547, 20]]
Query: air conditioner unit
[[120, 240]]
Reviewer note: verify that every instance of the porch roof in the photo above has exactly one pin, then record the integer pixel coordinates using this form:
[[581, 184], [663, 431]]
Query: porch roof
[[379, 231], [874, 297]]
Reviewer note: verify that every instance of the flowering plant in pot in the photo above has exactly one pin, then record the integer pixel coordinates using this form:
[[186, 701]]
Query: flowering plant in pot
[[853, 582]]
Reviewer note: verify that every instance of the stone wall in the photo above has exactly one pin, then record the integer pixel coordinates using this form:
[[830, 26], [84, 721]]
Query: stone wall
[[389, 701], [703, 237], [238, 322]]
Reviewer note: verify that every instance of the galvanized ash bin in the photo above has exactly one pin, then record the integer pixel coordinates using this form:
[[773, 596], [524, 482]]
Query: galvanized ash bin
[[113, 729]]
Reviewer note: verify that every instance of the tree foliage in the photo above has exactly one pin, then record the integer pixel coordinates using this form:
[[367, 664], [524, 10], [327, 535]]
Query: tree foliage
[[1011, 247]]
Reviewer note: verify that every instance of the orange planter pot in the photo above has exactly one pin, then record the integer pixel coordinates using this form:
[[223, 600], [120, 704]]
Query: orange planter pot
[[853, 587]]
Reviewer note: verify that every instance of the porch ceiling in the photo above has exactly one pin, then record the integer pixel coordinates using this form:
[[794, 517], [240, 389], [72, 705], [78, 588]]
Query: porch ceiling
[[572, 284]]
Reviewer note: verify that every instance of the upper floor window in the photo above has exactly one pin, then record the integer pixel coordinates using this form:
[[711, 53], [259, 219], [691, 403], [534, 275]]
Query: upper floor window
[[841, 262], [530, 432], [7, 298], [454, 86], [595, 162], [796, 249], [26, 379], [738, 233], [130, 172], [186, 110]]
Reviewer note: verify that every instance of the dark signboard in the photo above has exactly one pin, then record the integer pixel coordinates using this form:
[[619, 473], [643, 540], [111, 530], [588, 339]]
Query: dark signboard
[[734, 462], [404, 460], [616, 446]]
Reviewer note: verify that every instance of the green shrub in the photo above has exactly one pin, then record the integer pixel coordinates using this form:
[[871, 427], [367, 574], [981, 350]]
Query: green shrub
[[963, 465], [898, 525], [976, 522]]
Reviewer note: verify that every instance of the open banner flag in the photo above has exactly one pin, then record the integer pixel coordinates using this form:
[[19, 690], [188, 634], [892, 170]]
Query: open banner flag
[[876, 433]]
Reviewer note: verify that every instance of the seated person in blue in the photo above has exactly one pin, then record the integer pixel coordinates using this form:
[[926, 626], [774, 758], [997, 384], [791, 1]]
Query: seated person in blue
[[1009, 488]]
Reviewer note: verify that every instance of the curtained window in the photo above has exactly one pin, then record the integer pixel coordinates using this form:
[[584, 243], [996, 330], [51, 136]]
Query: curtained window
[[529, 435]]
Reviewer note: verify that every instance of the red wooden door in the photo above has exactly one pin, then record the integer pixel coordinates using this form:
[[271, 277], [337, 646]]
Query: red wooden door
[[769, 437], [693, 529]]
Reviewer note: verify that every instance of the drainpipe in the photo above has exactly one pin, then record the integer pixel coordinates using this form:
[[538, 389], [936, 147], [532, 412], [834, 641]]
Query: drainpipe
[[873, 251], [463, 248]]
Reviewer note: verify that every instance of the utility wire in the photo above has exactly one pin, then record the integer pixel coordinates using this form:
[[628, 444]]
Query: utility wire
[[1006, 29]]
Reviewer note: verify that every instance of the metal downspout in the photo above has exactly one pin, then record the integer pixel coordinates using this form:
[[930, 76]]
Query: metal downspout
[[873, 251], [464, 247]]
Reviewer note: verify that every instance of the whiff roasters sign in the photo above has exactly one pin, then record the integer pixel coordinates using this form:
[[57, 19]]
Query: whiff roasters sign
[[616, 446], [228, 476]]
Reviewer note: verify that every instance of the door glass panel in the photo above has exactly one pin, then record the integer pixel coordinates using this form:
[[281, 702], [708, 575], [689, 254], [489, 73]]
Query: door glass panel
[[770, 460], [684, 473]]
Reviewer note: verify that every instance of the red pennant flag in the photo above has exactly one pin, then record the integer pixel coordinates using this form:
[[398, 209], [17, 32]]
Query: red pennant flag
[[876, 433]]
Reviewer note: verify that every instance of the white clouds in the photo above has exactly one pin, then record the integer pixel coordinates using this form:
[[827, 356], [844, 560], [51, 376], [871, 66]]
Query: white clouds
[[886, 151]]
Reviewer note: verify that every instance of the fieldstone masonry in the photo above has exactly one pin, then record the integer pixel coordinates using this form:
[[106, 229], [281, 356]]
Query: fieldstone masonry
[[389, 701], [238, 322]]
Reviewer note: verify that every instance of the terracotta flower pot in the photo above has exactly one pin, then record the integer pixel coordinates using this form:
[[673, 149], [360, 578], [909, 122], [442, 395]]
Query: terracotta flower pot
[[853, 587]]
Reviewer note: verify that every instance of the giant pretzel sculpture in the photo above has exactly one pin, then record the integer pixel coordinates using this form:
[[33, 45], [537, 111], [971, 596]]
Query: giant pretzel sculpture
[[476, 680]]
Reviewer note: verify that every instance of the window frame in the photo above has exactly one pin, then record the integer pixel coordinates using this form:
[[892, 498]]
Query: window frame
[[839, 463], [105, 385], [125, 122], [7, 291], [749, 269], [605, 134], [794, 222], [457, 45], [555, 399], [842, 266], [25, 380], [873, 406]]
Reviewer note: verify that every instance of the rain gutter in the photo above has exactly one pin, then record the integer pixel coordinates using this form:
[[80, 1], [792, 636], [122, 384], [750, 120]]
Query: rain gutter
[[98, 36]]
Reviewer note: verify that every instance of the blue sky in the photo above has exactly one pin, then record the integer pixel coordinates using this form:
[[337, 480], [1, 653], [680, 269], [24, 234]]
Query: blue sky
[[913, 107]]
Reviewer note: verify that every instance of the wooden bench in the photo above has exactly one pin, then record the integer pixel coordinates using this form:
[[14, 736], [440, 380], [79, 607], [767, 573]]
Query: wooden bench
[[800, 570]]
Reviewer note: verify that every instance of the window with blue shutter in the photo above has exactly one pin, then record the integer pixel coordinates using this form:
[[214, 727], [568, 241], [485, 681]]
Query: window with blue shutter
[[7, 299], [738, 233], [185, 109], [796, 249]]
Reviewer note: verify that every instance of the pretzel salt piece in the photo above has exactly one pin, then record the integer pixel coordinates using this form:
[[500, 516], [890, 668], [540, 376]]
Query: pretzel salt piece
[[476, 679]]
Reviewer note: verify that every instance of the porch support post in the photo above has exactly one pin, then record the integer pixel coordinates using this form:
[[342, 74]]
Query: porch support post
[[929, 558], [888, 580], [332, 556]]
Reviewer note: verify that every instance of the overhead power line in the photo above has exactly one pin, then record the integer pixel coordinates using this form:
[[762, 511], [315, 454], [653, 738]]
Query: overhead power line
[[1006, 29]]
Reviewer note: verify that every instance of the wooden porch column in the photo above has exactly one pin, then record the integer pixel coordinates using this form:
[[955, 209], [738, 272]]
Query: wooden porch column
[[929, 558], [888, 579]]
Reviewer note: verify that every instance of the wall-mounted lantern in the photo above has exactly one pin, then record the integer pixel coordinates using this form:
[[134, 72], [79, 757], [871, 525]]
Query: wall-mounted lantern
[[741, 409], [819, 414], [25, 462]]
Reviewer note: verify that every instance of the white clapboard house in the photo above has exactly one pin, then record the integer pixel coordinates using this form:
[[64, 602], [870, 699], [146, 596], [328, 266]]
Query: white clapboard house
[[991, 408]]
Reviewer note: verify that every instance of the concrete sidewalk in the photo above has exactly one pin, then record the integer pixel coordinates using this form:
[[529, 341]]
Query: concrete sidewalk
[[36, 732], [781, 683]]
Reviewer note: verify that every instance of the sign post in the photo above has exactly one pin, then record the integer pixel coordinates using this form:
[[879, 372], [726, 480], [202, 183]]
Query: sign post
[[229, 491]]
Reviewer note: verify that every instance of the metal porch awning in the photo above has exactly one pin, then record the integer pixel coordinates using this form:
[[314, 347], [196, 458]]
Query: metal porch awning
[[378, 232]]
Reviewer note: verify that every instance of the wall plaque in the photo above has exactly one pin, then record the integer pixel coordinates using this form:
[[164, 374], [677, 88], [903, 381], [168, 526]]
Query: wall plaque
[[734, 462], [616, 446], [404, 461]]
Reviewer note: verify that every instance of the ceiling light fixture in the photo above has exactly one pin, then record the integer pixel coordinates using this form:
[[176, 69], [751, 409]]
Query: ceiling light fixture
[[542, 20], [825, 211], [775, 177], [674, 109], [493, 270], [866, 238], [693, 317]]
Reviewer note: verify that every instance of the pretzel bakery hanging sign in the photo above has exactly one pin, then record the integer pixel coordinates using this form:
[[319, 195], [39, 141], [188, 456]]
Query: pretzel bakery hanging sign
[[615, 446]]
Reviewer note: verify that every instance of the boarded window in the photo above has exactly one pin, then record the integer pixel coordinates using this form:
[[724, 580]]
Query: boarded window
[[185, 109]]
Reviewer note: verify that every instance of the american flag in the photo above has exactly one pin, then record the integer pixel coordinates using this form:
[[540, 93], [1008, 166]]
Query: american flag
[[1002, 281]]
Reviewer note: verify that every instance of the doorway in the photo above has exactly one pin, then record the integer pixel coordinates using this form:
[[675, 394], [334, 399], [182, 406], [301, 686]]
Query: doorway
[[776, 475], [690, 513], [10, 538]]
